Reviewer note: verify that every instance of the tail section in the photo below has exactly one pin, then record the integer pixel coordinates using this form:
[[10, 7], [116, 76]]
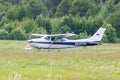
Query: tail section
[[98, 35]]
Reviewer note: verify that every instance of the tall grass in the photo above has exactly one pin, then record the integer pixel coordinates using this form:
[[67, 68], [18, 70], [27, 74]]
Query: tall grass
[[100, 62]]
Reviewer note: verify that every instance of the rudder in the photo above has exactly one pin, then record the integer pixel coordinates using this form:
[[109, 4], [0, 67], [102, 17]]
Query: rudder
[[98, 35]]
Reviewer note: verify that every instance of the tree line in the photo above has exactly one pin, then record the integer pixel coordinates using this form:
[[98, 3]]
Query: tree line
[[20, 18]]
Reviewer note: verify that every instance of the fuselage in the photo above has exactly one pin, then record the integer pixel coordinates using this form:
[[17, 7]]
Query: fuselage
[[64, 43]]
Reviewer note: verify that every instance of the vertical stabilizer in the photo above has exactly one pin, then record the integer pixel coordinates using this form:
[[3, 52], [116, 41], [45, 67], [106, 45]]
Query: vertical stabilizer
[[98, 35]]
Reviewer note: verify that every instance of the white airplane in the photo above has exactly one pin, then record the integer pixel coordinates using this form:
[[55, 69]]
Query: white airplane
[[57, 41]]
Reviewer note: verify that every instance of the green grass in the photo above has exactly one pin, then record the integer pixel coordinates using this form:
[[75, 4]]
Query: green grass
[[100, 62]]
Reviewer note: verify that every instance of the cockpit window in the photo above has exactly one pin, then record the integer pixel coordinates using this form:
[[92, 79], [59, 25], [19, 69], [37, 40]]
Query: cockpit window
[[47, 38], [54, 38]]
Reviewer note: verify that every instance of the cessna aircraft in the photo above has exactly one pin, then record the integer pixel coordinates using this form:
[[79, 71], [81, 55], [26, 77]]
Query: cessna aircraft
[[57, 41]]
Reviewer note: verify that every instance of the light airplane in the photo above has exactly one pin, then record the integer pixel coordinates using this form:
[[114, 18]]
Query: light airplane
[[58, 41]]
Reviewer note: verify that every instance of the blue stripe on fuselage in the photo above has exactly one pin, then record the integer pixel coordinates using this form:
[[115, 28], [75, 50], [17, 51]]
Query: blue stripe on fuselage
[[71, 43]]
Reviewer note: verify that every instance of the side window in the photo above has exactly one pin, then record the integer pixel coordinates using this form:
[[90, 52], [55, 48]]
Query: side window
[[59, 39], [52, 38]]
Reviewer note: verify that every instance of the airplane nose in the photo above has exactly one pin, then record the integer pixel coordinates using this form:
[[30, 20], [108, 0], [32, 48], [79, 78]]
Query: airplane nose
[[29, 41]]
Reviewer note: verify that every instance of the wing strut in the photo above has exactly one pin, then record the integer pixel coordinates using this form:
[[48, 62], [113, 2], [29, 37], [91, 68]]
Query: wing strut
[[52, 42]]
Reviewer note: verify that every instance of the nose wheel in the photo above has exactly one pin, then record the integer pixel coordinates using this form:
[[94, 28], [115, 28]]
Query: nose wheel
[[49, 50], [58, 50]]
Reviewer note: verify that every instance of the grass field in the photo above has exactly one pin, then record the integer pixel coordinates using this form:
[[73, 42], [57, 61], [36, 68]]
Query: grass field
[[100, 62]]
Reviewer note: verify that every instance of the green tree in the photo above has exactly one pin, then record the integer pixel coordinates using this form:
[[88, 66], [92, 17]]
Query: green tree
[[4, 20], [104, 39], [111, 34], [39, 20], [106, 9], [8, 28], [63, 8], [72, 22], [3, 34], [29, 26], [80, 36], [92, 24], [17, 34], [83, 8], [15, 2], [54, 4], [117, 1], [115, 22], [12, 13], [114, 19], [35, 9], [44, 22], [63, 29], [47, 25], [21, 13], [2, 11], [54, 24]]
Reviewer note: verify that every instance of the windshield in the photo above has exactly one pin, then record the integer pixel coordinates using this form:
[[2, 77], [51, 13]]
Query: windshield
[[54, 38]]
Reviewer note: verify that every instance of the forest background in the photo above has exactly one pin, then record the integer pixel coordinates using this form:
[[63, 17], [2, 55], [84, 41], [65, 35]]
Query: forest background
[[20, 18]]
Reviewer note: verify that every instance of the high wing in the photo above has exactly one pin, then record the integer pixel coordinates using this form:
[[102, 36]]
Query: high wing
[[55, 35], [37, 35], [63, 35], [34, 36]]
